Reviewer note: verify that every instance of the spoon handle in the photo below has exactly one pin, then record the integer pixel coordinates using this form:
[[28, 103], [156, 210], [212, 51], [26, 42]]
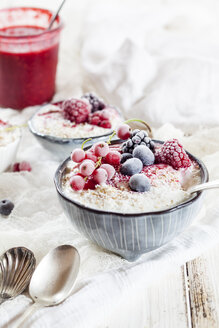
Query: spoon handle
[[203, 186], [26, 314], [55, 15]]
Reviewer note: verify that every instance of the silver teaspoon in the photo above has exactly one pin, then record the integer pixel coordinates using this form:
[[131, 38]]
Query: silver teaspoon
[[53, 279], [204, 186], [16, 268], [55, 15]]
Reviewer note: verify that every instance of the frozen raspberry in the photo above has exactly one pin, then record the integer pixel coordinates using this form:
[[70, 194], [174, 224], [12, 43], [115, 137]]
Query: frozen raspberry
[[101, 149], [76, 110], [96, 103], [109, 169], [78, 155], [22, 166], [77, 182], [113, 157], [123, 131], [87, 167], [172, 153], [100, 176], [101, 118]]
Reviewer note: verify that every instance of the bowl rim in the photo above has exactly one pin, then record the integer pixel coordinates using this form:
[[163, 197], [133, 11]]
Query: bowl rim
[[62, 166], [57, 139]]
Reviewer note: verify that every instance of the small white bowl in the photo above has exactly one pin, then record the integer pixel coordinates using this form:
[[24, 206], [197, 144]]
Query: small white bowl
[[8, 153]]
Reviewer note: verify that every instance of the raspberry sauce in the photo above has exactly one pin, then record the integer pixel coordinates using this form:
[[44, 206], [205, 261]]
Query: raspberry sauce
[[27, 78], [28, 56]]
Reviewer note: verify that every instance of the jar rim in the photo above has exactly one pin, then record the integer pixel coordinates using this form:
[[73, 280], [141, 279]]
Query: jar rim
[[58, 28]]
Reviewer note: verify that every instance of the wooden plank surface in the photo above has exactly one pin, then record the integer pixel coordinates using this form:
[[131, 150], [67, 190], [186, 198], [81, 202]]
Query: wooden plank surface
[[203, 284], [186, 298]]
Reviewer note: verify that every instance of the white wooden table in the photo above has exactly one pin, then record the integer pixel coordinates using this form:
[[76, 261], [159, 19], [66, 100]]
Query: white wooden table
[[186, 298]]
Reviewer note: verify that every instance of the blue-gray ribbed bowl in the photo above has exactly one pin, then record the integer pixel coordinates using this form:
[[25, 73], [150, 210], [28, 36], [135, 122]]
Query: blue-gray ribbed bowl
[[130, 235], [61, 148]]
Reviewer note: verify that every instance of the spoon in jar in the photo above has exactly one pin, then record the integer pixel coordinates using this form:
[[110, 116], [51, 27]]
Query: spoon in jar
[[55, 15], [53, 280], [204, 186]]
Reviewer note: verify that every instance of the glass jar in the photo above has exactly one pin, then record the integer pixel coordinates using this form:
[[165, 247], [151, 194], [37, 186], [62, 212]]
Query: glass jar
[[28, 56]]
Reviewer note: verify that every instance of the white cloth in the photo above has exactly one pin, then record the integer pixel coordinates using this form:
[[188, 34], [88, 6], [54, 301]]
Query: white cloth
[[106, 281], [160, 61]]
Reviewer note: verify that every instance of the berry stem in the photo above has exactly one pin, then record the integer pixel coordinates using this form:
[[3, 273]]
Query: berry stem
[[111, 136], [98, 163], [141, 121], [82, 146]]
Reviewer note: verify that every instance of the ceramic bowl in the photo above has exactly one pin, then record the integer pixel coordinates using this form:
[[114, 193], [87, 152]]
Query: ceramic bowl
[[8, 154], [130, 235], [61, 148]]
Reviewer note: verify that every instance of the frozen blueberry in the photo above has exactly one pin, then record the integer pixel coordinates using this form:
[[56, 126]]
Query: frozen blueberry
[[124, 157], [139, 182], [144, 154], [6, 206], [131, 166]]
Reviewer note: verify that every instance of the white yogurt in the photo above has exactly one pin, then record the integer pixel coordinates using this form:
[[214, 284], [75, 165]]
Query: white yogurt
[[166, 191], [8, 135], [54, 124]]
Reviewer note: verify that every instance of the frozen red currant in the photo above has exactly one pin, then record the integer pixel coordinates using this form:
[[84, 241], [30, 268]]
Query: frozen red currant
[[123, 131], [101, 149], [78, 155], [77, 182], [87, 167]]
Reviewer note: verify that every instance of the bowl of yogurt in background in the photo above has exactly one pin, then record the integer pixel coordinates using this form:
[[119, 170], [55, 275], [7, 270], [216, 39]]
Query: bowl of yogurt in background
[[60, 135], [9, 142], [131, 228]]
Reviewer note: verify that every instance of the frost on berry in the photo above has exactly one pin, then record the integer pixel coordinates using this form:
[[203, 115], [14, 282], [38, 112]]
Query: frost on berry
[[101, 149], [87, 167], [109, 169], [113, 157], [123, 131], [77, 182], [131, 166], [100, 176], [76, 110], [90, 155], [22, 166], [101, 118], [172, 153], [95, 101], [78, 155]]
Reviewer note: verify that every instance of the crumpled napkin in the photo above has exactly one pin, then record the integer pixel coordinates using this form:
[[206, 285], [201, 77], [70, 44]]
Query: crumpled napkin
[[161, 62]]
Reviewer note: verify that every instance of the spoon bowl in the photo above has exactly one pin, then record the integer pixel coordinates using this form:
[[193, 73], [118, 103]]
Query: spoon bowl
[[53, 279]]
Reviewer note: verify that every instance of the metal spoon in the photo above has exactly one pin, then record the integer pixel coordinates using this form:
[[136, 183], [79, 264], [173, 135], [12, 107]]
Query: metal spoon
[[53, 279], [16, 268], [55, 15], [204, 186]]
